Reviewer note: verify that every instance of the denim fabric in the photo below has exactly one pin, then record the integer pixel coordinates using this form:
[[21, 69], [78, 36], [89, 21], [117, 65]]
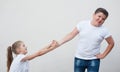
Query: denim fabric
[[80, 65]]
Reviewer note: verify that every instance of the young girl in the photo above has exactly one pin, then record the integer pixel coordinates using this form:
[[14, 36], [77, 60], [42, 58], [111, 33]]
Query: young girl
[[20, 62]]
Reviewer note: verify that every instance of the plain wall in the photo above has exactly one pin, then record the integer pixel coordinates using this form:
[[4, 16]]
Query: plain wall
[[38, 22]]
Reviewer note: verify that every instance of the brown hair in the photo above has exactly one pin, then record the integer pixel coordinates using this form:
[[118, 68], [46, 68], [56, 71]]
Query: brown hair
[[11, 49], [104, 11]]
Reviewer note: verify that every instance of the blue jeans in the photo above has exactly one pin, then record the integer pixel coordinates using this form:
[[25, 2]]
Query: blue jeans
[[80, 65]]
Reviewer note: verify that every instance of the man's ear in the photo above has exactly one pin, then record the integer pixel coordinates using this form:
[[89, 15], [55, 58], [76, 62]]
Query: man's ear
[[93, 14]]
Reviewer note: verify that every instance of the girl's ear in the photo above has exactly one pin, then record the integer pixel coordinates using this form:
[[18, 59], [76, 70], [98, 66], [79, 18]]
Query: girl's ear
[[18, 50]]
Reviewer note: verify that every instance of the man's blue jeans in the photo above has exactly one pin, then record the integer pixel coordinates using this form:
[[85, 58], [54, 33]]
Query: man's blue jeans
[[80, 65]]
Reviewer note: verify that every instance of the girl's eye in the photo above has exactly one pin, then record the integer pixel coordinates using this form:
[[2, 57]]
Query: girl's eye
[[23, 45]]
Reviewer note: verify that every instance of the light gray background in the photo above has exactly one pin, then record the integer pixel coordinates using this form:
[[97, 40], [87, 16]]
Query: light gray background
[[37, 22]]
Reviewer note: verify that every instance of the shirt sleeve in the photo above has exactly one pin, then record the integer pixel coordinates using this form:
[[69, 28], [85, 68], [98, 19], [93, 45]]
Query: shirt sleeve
[[79, 26], [106, 33], [20, 57]]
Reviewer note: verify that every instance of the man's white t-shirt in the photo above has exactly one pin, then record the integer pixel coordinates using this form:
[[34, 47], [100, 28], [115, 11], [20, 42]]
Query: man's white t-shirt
[[18, 66], [90, 38]]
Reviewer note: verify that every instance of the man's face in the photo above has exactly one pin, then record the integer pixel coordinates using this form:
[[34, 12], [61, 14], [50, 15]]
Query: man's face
[[99, 18]]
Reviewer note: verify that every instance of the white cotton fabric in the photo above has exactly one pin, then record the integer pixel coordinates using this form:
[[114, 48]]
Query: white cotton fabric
[[90, 38], [18, 66]]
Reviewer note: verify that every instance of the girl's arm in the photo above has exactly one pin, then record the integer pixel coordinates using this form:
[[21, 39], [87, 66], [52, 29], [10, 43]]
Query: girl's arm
[[110, 42], [41, 52], [54, 44]]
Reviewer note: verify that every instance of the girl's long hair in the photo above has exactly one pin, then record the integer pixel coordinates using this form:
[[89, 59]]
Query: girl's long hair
[[9, 57], [11, 49]]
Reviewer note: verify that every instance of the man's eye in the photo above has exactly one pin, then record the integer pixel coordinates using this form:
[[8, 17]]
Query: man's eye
[[99, 16]]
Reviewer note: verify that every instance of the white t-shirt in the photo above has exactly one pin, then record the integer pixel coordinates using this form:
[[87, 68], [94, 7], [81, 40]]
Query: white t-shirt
[[90, 38], [18, 66]]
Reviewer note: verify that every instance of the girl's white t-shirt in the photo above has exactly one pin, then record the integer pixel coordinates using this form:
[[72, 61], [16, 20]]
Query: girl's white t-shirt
[[18, 66], [90, 38]]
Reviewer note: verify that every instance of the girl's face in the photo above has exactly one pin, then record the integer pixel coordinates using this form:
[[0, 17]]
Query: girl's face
[[98, 19], [22, 48]]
